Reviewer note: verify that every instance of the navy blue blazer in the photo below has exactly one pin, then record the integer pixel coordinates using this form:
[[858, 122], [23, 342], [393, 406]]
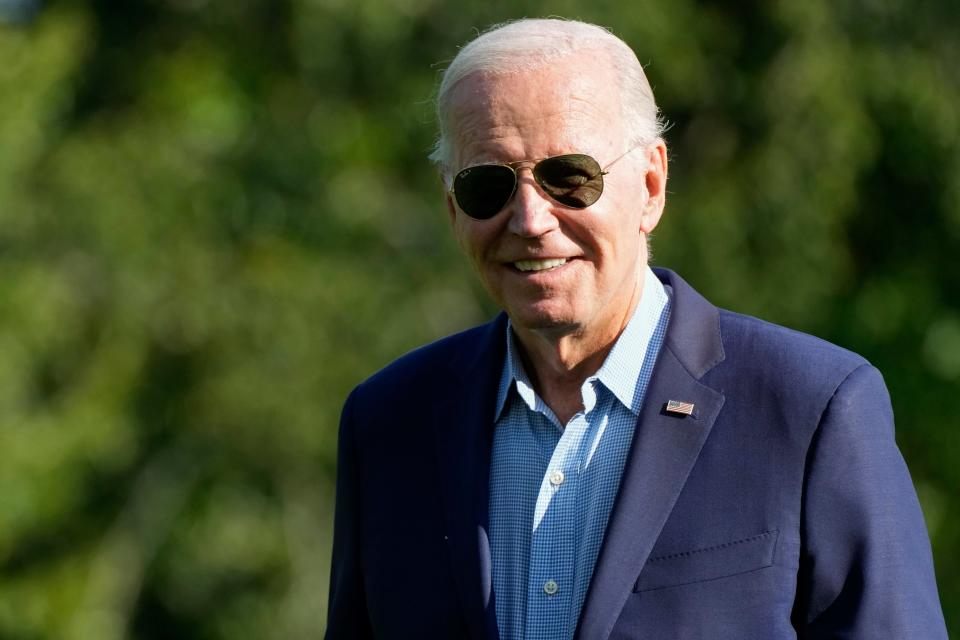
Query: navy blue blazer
[[781, 508]]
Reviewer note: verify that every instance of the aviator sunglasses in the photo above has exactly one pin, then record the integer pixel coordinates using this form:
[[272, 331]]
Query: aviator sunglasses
[[574, 180]]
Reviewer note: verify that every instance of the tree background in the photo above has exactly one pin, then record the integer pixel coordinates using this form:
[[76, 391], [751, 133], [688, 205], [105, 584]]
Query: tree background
[[217, 217]]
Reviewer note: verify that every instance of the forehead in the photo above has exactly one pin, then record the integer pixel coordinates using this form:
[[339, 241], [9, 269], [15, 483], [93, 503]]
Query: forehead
[[561, 107]]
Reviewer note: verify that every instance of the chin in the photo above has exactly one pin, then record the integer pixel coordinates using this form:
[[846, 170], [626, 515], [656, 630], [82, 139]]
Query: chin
[[543, 320]]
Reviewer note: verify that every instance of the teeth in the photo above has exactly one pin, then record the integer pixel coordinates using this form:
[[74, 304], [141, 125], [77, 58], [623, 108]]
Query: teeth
[[539, 265]]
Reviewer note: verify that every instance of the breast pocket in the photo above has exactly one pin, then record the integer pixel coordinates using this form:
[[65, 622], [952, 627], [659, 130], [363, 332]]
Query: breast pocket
[[709, 563]]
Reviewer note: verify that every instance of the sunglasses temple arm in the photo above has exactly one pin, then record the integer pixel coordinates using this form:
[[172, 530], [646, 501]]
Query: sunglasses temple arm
[[620, 157]]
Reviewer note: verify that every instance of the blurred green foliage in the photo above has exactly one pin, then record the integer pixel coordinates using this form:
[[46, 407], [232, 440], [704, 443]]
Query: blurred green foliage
[[217, 217]]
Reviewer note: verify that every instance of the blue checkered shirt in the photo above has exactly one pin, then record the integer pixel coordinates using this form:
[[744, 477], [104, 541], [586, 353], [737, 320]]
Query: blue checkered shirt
[[552, 486]]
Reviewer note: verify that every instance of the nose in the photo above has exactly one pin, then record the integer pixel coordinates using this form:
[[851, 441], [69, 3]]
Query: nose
[[531, 211]]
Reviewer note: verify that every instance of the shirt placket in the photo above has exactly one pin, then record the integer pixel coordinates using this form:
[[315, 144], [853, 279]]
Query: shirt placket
[[554, 539]]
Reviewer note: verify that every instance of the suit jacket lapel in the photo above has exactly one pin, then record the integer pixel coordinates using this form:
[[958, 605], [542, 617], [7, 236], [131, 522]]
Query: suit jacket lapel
[[464, 435], [664, 450]]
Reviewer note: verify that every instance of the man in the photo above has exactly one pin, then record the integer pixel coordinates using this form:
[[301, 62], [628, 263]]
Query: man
[[613, 457]]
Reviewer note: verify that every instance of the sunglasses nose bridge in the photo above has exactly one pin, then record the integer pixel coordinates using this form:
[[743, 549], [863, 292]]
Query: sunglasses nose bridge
[[532, 178], [519, 175], [530, 208]]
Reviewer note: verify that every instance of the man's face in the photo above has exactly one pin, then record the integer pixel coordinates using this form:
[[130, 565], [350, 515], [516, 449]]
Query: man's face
[[555, 269]]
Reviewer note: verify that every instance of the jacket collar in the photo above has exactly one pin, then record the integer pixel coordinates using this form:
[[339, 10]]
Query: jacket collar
[[694, 331]]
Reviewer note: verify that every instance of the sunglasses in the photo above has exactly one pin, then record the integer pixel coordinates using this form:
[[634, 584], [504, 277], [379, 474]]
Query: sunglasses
[[574, 180]]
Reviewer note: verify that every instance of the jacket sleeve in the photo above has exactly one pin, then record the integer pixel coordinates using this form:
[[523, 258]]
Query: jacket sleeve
[[866, 569], [347, 615]]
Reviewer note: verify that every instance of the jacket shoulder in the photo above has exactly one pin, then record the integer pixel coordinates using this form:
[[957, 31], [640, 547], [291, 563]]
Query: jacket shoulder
[[764, 348], [432, 364]]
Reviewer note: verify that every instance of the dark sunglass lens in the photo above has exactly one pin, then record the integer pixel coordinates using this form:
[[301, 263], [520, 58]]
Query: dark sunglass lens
[[574, 180], [482, 191]]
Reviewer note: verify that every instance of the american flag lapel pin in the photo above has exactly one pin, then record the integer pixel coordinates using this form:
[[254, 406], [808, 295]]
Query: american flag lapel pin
[[680, 408]]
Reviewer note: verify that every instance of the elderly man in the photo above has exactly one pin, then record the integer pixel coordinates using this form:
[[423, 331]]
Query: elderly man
[[613, 457]]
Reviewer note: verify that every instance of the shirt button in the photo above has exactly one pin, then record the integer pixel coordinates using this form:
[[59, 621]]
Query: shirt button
[[556, 478], [550, 587]]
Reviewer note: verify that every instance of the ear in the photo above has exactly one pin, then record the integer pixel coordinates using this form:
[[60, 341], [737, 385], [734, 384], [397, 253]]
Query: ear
[[448, 197], [655, 181], [451, 207]]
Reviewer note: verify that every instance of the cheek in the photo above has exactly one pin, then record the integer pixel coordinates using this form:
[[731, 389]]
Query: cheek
[[600, 242], [472, 242], [462, 235], [461, 240]]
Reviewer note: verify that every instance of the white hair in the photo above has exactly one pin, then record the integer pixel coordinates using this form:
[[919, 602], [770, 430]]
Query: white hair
[[531, 43]]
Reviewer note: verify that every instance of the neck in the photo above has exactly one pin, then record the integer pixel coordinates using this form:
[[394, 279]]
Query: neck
[[558, 363]]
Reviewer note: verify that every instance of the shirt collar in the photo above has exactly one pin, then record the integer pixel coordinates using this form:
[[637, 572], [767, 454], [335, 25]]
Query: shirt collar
[[619, 372], [513, 371]]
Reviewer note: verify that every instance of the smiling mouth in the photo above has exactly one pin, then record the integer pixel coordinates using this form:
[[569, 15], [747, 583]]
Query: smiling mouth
[[539, 265]]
